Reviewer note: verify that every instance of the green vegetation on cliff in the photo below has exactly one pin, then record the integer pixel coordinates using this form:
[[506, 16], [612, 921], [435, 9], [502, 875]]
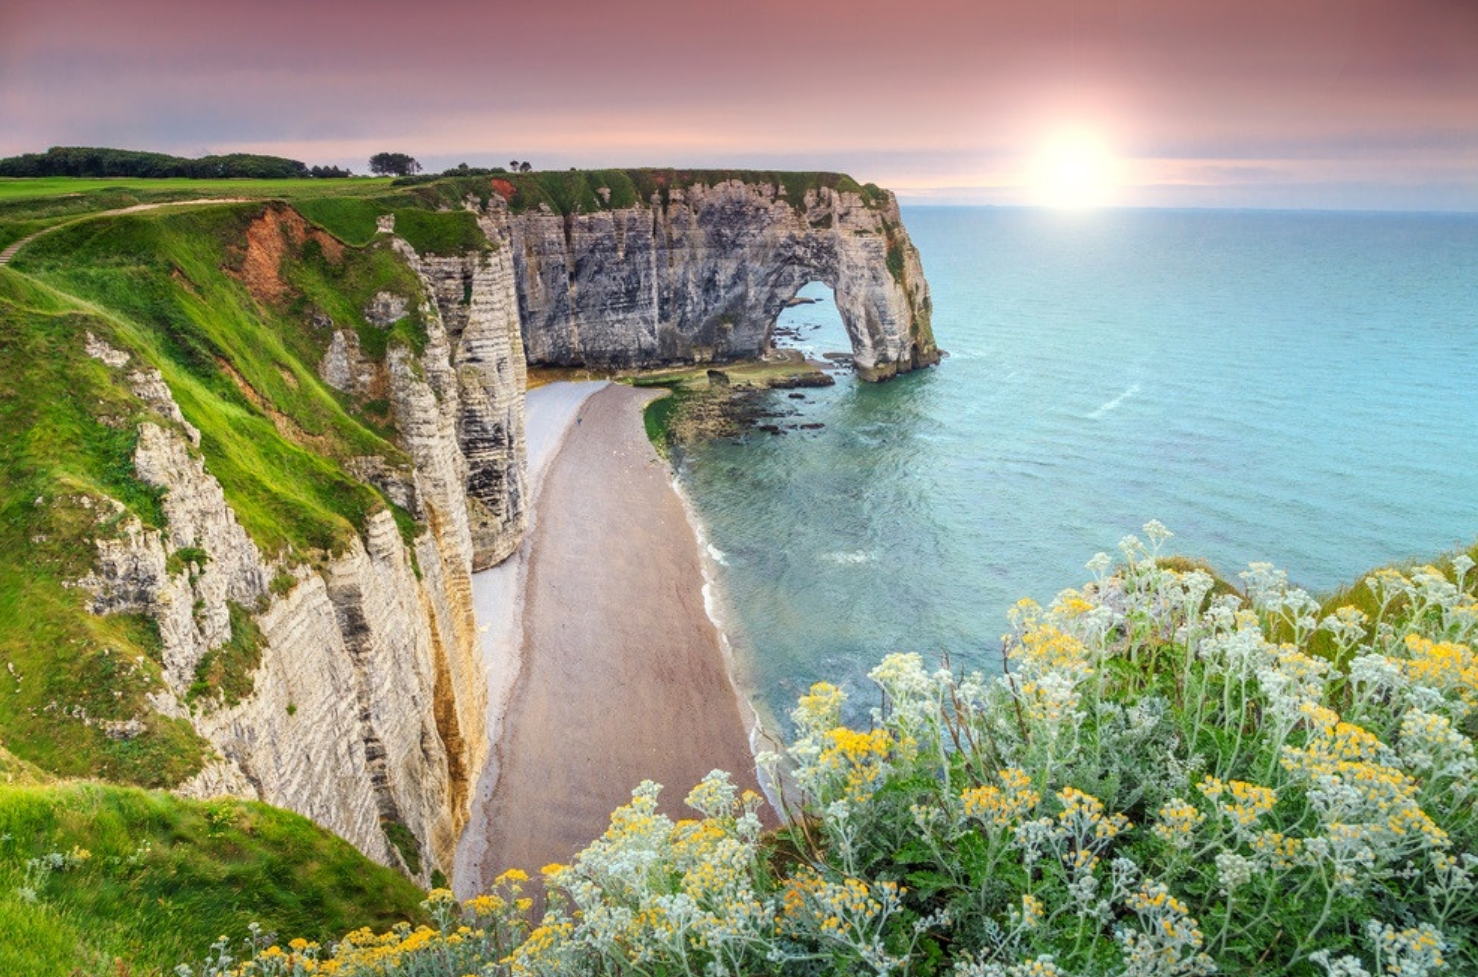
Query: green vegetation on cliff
[[346, 208], [588, 191], [235, 305], [90, 875]]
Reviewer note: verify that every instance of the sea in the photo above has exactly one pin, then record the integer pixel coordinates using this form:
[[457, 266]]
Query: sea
[[1293, 387]]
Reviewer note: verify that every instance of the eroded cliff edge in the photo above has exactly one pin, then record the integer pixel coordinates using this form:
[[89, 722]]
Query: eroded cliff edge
[[697, 266], [316, 445], [254, 453]]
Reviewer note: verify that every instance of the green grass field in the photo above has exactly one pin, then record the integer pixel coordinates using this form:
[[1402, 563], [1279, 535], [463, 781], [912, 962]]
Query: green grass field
[[166, 286], [34, 204], [91, 874], [18, 188]]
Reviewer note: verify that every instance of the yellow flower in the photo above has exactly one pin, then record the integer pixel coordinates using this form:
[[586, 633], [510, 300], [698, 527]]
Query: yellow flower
[[485, 905], [1277, 850], [820, 709], [1178, 821], [1032, 911], [1248, 802], [1002, 806], [858, 756], [1446, 666], [1083, 816]]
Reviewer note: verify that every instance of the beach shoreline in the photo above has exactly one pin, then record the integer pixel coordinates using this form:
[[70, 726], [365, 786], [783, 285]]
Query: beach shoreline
[[763, 737], [606, 663], [498, 603]]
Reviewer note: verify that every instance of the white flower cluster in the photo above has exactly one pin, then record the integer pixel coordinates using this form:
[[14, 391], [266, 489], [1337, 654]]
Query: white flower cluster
[[1166, 779]]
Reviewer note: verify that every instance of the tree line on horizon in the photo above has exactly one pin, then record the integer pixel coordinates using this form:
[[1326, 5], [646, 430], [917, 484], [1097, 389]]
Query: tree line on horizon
[[402, 165], [100, 162], [91, 161]]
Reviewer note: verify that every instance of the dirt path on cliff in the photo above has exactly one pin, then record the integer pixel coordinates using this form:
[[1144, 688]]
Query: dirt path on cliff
[[10, 252], [624, 677]]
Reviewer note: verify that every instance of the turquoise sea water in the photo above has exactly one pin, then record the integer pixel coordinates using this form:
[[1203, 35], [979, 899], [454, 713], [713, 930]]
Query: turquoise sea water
[[1293, 387]]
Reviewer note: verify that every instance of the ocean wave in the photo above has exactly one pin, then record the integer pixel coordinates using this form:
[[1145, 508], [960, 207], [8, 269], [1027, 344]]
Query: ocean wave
[[1129, 391], [853, 556]]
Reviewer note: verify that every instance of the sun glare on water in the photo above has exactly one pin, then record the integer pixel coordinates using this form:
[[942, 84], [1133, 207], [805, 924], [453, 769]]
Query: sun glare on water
[[1074, 170]]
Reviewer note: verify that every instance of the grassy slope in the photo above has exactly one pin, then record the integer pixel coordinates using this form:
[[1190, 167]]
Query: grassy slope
[[348, 208], [68, 664], [166, 876], [580, 191], [29, 205], [163, 285]]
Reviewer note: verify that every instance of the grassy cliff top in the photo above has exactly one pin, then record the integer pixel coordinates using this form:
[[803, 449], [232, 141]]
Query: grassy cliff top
[[587, 191], [90, 874], [239, 349], [348, 207]]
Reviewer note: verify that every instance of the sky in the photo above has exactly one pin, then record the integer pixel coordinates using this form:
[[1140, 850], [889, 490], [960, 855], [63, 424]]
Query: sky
[[1346, 104]]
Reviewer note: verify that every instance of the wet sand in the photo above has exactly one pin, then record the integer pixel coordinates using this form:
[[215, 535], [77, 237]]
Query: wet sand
[[623, 676]]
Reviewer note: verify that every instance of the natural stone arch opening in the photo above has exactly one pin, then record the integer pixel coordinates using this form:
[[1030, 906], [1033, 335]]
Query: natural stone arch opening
[[811, 323], [884, 310], [702, 277]]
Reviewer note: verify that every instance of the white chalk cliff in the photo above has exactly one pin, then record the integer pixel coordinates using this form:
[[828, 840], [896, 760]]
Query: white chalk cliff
[[367, 708], [702, 277]]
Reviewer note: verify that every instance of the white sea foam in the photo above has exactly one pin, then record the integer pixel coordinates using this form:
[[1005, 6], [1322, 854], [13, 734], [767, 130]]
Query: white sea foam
[[760, 738], [1129, 391], [853, 556]]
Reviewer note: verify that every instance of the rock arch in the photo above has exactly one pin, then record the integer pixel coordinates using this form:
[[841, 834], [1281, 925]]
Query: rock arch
[[702, 276]]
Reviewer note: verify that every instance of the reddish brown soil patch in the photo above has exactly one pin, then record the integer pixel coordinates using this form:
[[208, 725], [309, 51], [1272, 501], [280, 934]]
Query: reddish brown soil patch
[[268, 241], [504, 189]]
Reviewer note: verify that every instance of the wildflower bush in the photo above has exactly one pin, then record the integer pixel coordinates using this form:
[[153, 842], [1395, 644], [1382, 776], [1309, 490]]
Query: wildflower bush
[[1168, 779]]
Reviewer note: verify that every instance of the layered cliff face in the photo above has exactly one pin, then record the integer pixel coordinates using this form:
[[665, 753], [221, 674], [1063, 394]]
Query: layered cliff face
[[357, 694], [252, 460], [478, 306], [700, 272]]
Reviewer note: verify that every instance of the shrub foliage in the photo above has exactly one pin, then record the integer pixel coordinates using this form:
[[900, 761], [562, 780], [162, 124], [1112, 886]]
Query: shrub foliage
[[1163, 780], [90, 161]]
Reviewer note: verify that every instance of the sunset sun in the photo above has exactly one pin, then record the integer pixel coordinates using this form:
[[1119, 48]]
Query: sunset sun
[[1074, 170]]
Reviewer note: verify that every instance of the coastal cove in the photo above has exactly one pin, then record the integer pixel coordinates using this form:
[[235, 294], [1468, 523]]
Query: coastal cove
[[603, 665], [1285, 386], [922, 509], [314, 528]]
